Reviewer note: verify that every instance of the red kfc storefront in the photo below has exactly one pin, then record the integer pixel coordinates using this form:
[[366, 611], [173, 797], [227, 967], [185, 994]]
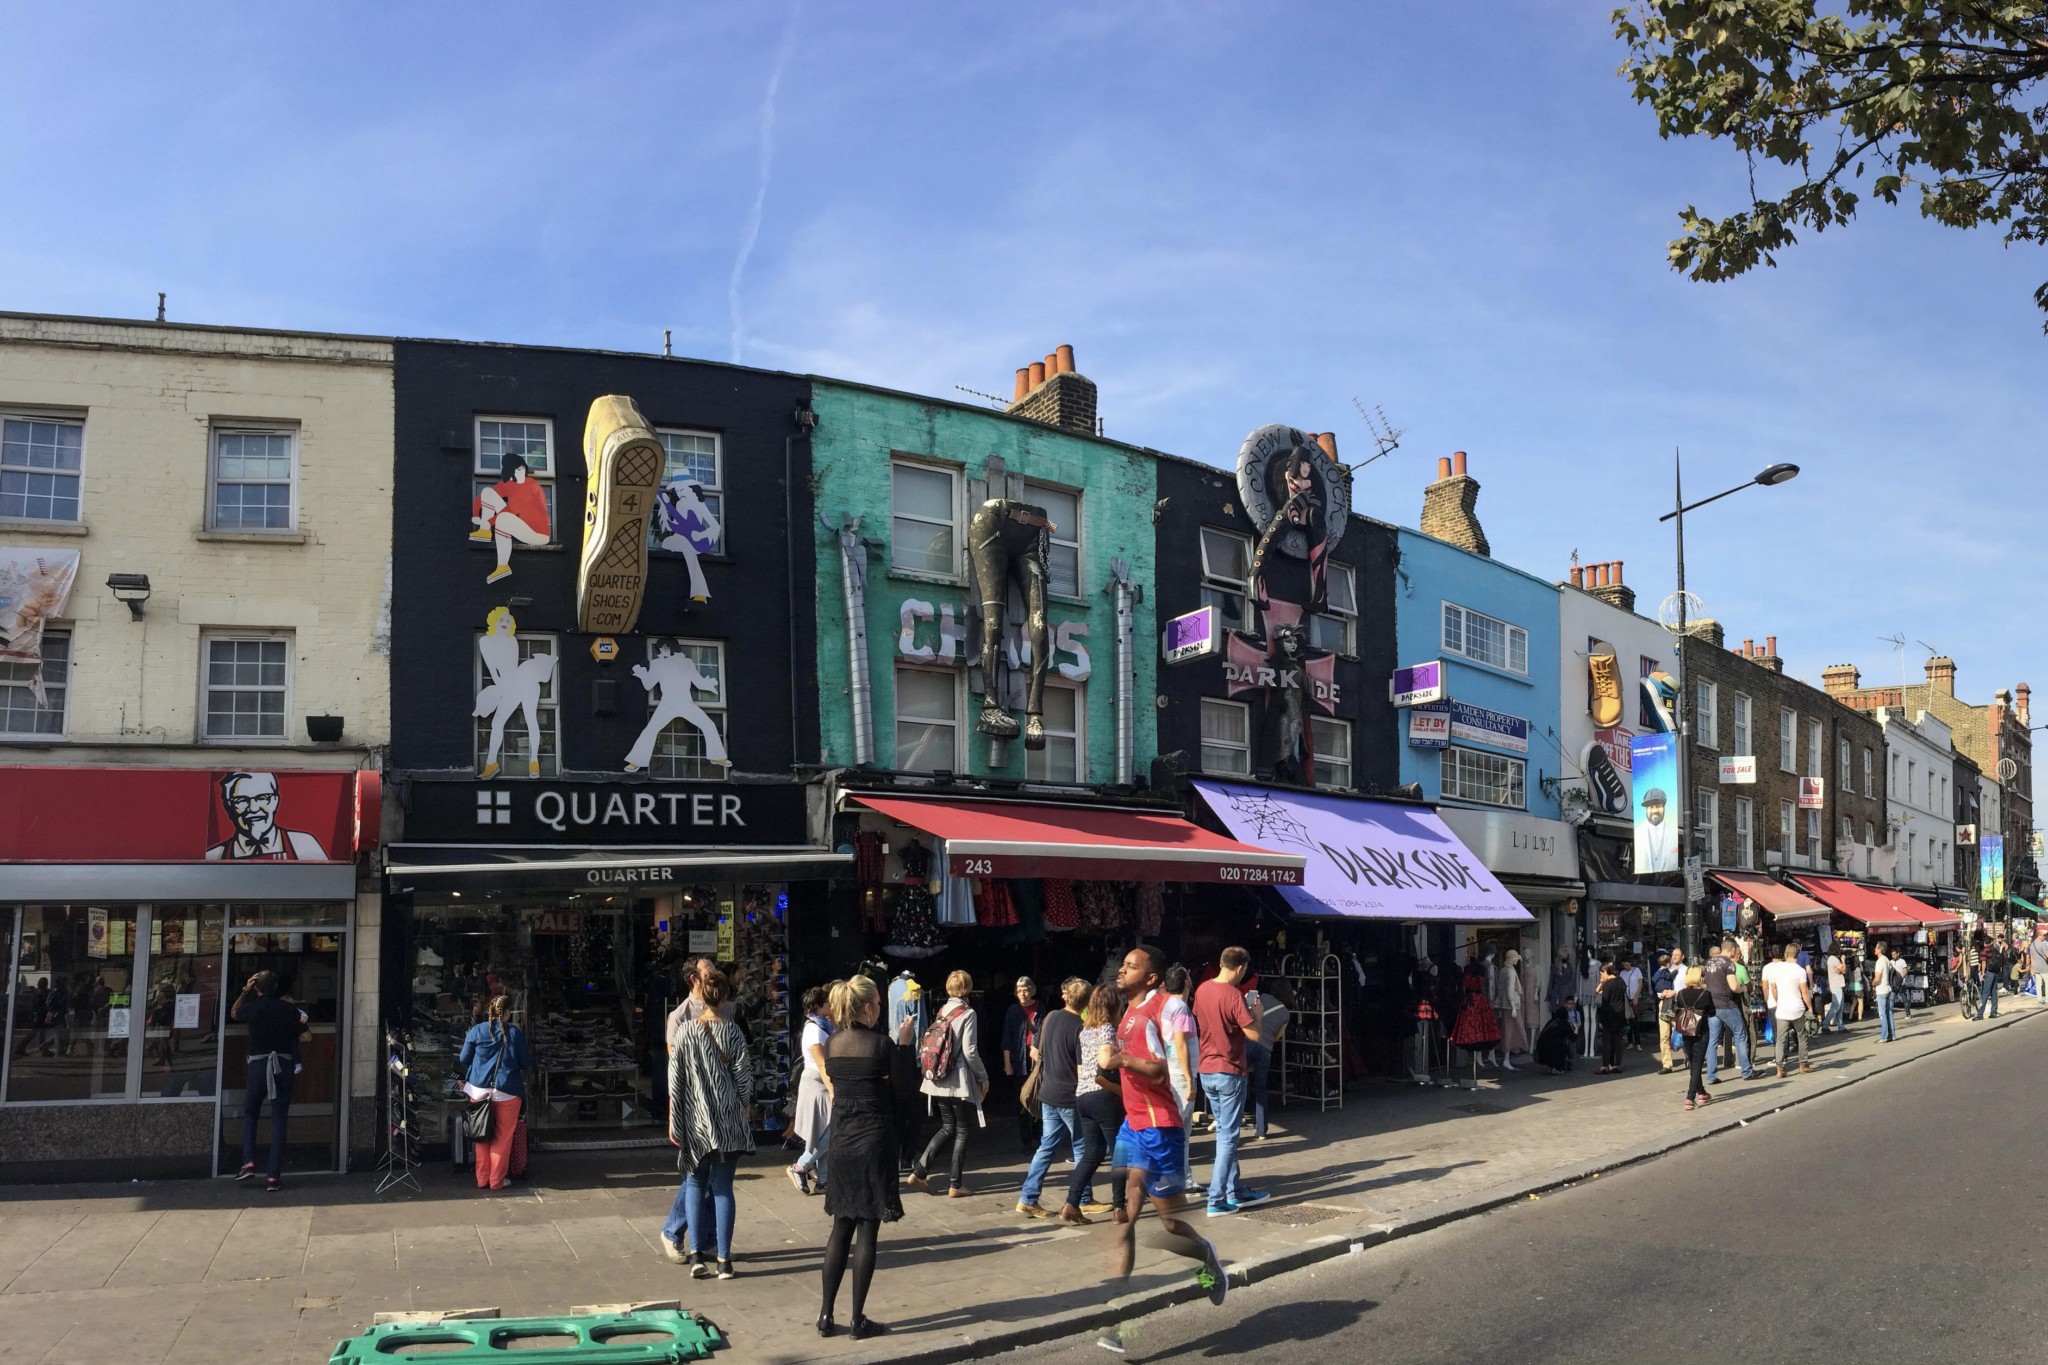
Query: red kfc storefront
[[135, 903]]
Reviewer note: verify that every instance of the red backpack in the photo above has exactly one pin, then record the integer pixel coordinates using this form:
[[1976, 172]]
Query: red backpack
[[935, 1054]]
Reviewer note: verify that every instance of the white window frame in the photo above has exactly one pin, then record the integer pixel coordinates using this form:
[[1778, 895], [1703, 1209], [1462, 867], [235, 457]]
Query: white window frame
[[957, 680], [225, 426], [1339, 731], [1511, 634], [1788, 829], [548, 715], [1743, 731], [1848, 767], [1034, 759], [1065, 537], [1867, 789], [1911, 798], [1706, 702], [1346, 621], [207, 640], [1512, 772], [1216, 706], [14, 677], [1816, 750], [1221, 590], [954, 475], [1707, 823], [1788, 740], [714, 492], [1745, 832], [717, 709], [1813, 834], [1848, 832], [62, 419], [496, 470]]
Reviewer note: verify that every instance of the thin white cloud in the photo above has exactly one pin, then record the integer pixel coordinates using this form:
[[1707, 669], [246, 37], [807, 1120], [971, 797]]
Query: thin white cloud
[[751, 233]]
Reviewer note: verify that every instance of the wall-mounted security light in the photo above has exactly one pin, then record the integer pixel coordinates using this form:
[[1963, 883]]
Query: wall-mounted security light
[[132, 588]]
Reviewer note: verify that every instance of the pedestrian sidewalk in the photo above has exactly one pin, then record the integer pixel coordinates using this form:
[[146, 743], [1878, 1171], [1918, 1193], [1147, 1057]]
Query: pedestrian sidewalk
[[210, 1271]]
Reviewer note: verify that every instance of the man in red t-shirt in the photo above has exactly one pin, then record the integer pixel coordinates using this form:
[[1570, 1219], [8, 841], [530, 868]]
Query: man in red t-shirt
[[1225, 1020], [1151, 1146]]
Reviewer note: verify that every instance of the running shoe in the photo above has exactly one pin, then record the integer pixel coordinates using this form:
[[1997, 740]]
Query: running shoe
[[1252, 1197], [1222, 1210], [1212, 1276], [624, 461], [798, 1177]]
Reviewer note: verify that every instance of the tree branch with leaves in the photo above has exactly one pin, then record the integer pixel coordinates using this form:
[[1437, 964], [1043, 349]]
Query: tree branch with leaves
[[1942, 97]]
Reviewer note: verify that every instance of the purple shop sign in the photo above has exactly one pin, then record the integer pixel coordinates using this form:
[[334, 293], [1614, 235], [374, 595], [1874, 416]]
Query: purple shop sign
[[1190, 636], [1417, 684], [1376, 860]]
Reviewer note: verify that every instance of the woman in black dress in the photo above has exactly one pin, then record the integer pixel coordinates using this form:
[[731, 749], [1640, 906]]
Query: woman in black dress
[[869, 1073]]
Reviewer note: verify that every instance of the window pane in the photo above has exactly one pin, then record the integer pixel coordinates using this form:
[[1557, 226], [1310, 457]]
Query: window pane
[[1225, 557], [73, 1015], [1330, 632], [1062, 508], [516, 754], [1064, 563], [922, 748], [19, 712], [497, 439], [1333, 751], [926, 493], [180, 1060], [1224, 723], [926, 695], [1341, 594], [691, 456], [922, 546], [1060, 709]]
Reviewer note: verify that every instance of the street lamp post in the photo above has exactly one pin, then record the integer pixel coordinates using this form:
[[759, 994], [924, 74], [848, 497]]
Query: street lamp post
[[1689, 925]]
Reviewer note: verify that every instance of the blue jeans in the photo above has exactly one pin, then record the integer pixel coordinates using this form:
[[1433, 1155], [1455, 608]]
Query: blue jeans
[[1226, 1101], [704, 1203], [813, 1159], [1057, 1125], [1887, 1031], [1258, 1062], [1834, 1017], [1990, 1010], [253, 1097], [1728, 1020]]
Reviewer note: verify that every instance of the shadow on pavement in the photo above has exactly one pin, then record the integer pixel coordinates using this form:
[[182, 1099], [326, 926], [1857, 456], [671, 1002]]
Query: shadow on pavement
[[1303, 1322]]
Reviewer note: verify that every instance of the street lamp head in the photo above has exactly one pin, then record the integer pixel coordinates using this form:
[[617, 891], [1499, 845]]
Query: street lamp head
[[1778, 473]]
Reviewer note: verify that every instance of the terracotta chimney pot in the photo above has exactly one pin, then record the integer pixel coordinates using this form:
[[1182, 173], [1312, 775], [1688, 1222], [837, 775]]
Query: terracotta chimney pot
[[1328, 441], [1443, 469], [1037, 373], [1023, 382], [1578, 577], [1617, 571], [1065, 355], [1458, 463], [1770, 646]]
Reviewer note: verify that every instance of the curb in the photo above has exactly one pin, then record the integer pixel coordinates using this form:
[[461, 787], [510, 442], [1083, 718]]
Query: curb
[[1076, 1321]]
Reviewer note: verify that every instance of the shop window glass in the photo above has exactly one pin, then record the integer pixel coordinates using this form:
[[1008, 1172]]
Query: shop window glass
[[73, 1012], [1333, 751], [1061, 759], [257, 916], [181, 1004], [1226, 564], [1226, 737], [927, 720]]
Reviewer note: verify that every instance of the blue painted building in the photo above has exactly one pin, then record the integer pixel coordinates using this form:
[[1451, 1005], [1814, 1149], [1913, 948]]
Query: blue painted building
[[1488, 751]]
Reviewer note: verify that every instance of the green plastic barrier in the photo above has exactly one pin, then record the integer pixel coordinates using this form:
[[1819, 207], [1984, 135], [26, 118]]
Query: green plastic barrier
[[592, 1340]]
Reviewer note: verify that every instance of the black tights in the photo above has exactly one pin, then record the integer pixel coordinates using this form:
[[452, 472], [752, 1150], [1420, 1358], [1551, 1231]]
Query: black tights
[[856, 1235]]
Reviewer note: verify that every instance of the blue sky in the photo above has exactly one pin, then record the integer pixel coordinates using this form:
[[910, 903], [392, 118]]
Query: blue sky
[[1236, 212]]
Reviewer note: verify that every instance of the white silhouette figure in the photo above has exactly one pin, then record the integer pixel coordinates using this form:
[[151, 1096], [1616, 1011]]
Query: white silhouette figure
[[684, 525], [515, 685], [672, 681]]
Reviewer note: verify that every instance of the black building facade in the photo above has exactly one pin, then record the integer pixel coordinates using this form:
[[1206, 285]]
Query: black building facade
[[580, 813]]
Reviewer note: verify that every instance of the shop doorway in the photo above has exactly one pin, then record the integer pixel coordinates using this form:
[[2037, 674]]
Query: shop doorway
[[310, 964]]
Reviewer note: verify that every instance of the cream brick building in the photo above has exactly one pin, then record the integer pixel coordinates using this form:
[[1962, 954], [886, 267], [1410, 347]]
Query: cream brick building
[[247, 476]]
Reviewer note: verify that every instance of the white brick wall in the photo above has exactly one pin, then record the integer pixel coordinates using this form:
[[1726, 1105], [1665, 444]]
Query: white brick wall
[[149, 395]]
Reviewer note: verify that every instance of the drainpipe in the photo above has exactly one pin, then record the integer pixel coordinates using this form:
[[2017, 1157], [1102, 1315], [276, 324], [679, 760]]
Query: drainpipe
[[1126, 672], [853, 559]]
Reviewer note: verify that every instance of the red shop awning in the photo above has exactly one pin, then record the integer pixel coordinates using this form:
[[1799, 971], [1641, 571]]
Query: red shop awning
[[1022, 839], [1932, 918], [1876, 911], [1780, 902]]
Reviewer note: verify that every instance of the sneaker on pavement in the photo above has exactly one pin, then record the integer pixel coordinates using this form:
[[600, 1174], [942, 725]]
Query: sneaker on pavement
[[799, 1177], [1251, 1197], [1212, 1276], [671, 1250], [1092, 1208], [1220, 1210]]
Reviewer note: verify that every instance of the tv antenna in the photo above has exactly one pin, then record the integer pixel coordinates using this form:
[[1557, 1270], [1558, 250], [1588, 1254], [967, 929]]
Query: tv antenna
[[988, 398], [1897, 640], [1384, 434]]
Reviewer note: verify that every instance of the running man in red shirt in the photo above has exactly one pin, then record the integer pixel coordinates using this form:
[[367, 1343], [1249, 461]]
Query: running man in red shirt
[[1152, 1146]]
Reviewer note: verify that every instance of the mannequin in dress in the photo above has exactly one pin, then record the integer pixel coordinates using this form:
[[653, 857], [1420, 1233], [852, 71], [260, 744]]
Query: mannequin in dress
[[1507, 1003], [1589, 993], [1535, 1009]]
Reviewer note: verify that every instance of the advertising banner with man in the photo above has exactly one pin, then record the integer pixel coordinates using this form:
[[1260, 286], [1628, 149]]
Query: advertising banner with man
[[1653, 773]]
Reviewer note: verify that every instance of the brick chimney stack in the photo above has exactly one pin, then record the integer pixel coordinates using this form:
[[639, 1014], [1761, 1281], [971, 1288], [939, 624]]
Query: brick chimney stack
[[1053, 392], [1839, 679], [1604, 582], [1706, 628], [1941, 674], [1767, 657], [2023, 704], [1447, 507]]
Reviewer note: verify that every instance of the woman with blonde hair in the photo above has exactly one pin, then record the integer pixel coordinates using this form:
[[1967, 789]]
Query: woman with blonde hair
[[1693, 1005], [956, 1092], [494, 1059], [710, 1078], [867, 1072]]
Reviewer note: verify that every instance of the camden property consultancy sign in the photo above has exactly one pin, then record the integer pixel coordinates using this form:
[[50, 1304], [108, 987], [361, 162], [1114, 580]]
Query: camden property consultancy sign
[[1377, 860]]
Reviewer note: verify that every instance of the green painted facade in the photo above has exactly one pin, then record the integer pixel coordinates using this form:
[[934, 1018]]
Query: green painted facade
[[859, 433]]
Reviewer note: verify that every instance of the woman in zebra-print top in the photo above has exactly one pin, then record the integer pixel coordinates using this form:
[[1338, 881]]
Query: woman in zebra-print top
[[709, 1078]]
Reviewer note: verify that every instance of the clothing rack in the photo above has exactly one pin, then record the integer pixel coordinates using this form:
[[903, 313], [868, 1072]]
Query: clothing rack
[[1311, 1052], [401, 1118]]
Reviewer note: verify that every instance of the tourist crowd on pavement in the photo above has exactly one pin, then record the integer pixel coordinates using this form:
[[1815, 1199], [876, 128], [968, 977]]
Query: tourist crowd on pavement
[[1112, 1076]]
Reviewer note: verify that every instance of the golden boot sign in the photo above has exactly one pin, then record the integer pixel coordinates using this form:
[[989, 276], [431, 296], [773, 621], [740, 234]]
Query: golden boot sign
[[624, 460]]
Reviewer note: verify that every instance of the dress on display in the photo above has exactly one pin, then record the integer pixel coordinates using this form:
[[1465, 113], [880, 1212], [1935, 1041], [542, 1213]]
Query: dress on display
[[1478, 1028], [913, 927], [863, 1067]]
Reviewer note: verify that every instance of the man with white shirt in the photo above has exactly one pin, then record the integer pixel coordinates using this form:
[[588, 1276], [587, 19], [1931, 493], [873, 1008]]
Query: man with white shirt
[[1838, 992], [1632, 981], [1790, 997]]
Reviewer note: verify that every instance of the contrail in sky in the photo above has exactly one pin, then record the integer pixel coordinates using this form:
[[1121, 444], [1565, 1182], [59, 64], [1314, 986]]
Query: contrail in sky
[[752, 232]]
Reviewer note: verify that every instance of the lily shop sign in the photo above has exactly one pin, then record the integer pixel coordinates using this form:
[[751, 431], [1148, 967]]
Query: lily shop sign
[[637, 814]]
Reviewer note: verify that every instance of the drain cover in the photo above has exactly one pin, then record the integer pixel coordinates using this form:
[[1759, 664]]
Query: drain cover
[[1480, 1108], [1297, 1215]]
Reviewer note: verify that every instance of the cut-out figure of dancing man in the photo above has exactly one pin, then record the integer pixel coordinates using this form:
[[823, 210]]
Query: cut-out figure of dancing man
[[672, 682], [684, 525]]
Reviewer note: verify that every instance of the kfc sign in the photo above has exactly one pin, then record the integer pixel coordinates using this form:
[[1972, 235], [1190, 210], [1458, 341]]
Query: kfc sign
[[155, 815]]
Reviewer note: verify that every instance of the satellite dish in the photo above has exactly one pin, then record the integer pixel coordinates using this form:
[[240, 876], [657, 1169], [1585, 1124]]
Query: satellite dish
[[2007, 770], [1667, 611]]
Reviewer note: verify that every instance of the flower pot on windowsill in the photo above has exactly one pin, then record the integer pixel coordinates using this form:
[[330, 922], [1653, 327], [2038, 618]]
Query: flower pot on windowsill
[[323, 729]]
